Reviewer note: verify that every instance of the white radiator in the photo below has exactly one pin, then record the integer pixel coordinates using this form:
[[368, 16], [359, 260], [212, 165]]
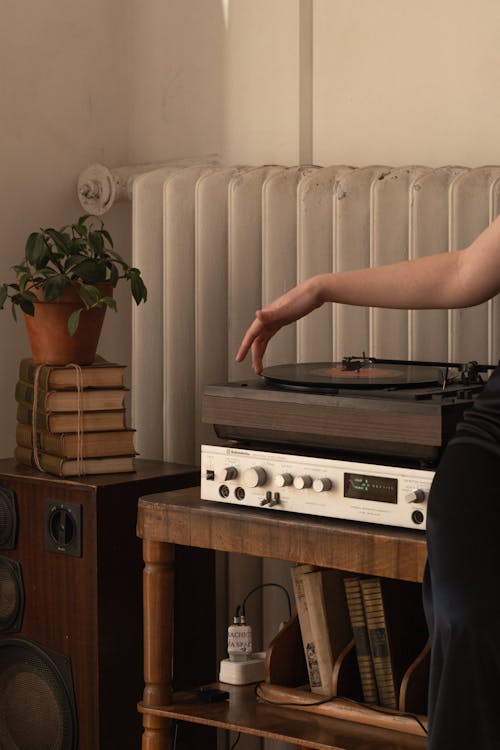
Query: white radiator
[[215, 242]]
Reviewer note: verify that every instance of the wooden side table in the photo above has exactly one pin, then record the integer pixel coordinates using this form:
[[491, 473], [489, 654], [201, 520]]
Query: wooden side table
[[180, 517]]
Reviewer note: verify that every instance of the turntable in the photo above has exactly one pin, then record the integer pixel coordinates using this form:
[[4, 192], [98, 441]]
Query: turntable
[[362, 405], [356, 440]]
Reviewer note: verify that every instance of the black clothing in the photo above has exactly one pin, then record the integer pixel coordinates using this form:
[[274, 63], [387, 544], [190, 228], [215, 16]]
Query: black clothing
[[462, 583]]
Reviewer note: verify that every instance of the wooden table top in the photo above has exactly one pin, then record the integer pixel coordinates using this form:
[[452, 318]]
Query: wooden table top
[[181, 517]]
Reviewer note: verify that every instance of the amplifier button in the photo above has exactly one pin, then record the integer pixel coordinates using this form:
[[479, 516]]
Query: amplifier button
[[416, 496], [301, 483], [283, 480], [322, 485], [255, 477], [230, 472]]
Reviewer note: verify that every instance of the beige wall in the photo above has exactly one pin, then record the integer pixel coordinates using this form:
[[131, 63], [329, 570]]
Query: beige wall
[[392, 81], [259, 81], [398, 82], [115, 82]]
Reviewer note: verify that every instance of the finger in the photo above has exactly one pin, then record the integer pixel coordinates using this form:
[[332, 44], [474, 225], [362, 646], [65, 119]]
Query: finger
[[252, 332]]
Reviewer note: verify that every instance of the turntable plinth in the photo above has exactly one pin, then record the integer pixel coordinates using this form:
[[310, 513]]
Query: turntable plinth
[[252, 412]]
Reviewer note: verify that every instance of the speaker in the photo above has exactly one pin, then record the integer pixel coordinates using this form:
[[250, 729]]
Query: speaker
[[71, 606]]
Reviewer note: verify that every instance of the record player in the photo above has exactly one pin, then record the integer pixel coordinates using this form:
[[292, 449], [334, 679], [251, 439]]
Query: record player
[[357, 439]]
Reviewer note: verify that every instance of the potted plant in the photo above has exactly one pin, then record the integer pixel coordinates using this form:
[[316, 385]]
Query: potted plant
[[64, 285]]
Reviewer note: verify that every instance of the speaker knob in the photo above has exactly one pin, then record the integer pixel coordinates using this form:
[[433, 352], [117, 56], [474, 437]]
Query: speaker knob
[[255, 477], [62, 527], [230, 472]]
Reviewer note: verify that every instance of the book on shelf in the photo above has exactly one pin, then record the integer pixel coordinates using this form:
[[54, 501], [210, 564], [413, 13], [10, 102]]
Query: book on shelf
[[100, 374], [397, 631], [297, 574], [329, 618], [361, 641], [57, 422], [66, 445], [92, 399], [66, 467]]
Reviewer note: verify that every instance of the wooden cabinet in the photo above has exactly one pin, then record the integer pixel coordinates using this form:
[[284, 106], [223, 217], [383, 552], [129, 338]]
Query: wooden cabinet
[[181, 518], [70, 601]]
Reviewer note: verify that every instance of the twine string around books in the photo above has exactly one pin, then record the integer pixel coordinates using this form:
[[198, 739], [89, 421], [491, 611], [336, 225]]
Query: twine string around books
[[79, 418]]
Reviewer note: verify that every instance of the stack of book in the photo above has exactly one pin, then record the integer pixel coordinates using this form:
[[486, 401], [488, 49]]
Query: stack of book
[[79, 424], [389, 631], [382, 618]]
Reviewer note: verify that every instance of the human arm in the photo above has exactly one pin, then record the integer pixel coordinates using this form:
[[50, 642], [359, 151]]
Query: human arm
[[446, 280]]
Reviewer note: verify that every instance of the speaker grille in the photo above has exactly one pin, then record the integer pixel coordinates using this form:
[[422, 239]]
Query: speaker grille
[[11, 596], [37, 707], [8, 519]]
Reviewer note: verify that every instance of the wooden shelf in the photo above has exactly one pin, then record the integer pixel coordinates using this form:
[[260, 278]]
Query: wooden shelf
[[244, 713]]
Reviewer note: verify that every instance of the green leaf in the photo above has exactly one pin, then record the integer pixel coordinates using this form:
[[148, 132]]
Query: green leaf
[[90, 270], [30, 242], [107, 235], [139, 291], [3, 295], [60, 239], [113, 274], [54, 287], [74, 320], [96, 242], [110, 302], [36, 249], [27, 306], [88, 294], [23, 279], [73, 261]]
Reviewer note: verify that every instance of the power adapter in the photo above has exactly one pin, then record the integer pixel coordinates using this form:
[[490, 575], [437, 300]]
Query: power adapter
[[244, 672]]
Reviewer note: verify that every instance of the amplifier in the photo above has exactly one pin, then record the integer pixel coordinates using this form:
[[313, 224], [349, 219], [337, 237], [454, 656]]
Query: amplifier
[[331, 487]]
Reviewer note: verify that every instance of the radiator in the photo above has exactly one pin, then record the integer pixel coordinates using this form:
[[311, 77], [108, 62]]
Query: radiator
[[216, 242]]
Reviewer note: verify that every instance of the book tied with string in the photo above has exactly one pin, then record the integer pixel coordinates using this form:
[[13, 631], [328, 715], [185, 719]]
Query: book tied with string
[[72, 420]]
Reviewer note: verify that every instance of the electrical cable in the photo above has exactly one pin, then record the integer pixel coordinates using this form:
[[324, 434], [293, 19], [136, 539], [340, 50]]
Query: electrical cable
[[238, 737], [176, 729], [262, 586]]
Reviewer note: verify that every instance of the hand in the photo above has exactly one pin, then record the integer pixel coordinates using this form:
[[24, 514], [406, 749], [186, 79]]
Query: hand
[[288, 308]]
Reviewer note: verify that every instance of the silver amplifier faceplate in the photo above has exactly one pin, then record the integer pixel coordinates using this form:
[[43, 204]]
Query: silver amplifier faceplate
[[391, 495]]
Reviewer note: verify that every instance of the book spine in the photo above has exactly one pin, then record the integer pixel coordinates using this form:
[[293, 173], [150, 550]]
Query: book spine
[[25, 416], [361, 640], [309, 646], [51, 464], [24, 394], [316, 605], [373, 602]]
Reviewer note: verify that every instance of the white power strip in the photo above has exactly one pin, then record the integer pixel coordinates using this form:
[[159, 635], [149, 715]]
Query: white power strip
[[243, 672]]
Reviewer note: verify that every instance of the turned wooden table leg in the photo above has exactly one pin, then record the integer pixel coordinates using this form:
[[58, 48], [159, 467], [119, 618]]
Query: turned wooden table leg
[[158, 601]]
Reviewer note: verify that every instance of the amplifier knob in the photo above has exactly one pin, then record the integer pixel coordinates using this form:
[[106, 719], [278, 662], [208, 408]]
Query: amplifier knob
[[230, 472], [322, 485], [283, 480], [416, 496], [301, 483], [255, 477]]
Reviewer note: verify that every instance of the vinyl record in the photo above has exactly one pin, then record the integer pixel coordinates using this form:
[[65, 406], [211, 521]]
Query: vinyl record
[[352, 374]]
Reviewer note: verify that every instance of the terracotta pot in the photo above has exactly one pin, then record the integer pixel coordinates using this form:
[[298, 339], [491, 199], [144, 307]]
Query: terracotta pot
[[51, 342]]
